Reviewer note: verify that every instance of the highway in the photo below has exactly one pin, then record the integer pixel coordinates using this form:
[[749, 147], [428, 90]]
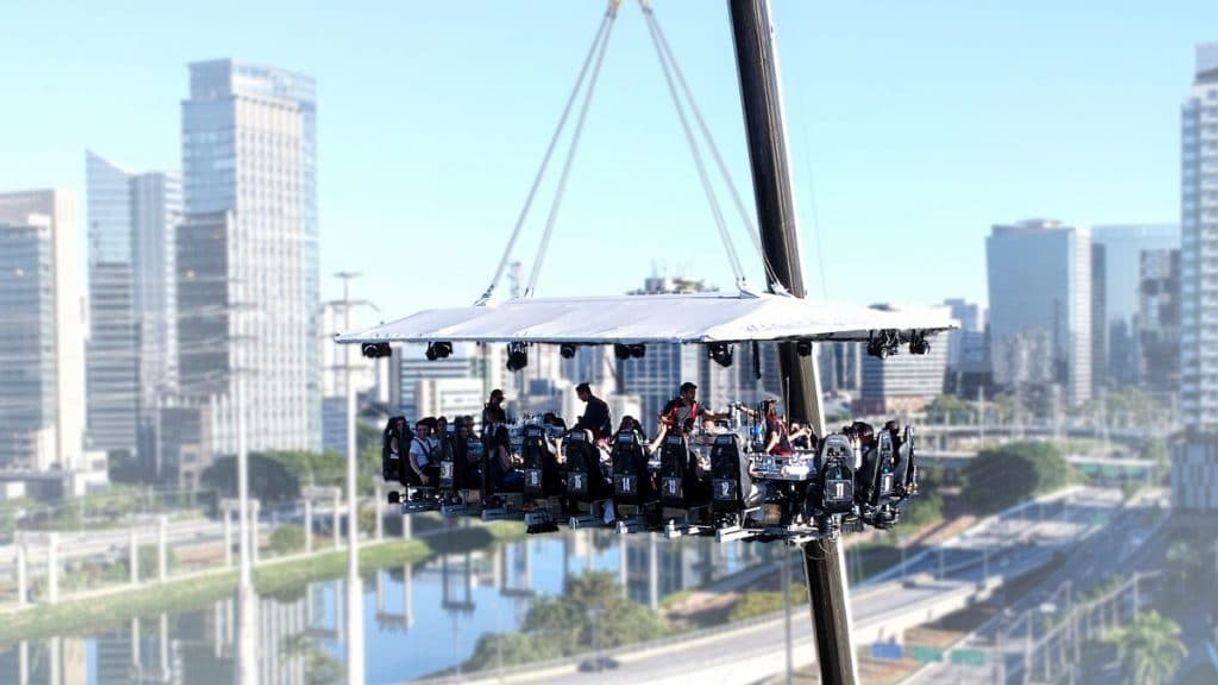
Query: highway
[[1008, 546]]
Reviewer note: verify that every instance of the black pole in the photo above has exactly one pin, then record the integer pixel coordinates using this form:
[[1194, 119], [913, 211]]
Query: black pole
[[761, 99]]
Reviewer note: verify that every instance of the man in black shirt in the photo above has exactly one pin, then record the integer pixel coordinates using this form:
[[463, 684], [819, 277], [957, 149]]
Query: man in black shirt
[[596, 413]]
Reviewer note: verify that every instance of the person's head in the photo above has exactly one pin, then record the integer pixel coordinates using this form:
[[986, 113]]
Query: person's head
[[627, 423], [769, 408], [496, 397], [584, 392], [689, 392], [442, 425], [422, 428], [463, 427]]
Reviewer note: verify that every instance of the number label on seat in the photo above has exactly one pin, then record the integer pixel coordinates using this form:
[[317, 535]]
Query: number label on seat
[[672, 487], [725, 489], [533, 477], [625, 484], [578, 483], [446, 470]]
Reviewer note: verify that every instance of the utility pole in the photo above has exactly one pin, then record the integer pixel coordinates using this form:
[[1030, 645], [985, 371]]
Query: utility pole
[[247, 600], [761, 100], [355, 591]]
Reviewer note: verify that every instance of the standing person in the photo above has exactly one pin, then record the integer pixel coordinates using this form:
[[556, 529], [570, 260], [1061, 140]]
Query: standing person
[[596, 413], [493, 413], [682, 412]]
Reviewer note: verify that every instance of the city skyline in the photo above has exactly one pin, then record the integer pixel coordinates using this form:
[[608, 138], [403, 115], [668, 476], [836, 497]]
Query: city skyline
[[937, 200]]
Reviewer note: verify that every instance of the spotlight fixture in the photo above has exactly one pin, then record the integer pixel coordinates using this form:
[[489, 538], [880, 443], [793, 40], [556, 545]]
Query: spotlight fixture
[[567, 351], [621, 351], [376, 350], [722, 353], [518, 356], [439, 350], [919, 344], [638, 351], [804, 348]]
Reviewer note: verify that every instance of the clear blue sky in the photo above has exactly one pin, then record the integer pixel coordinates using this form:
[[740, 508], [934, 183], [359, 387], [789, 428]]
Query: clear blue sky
[[914, 126]]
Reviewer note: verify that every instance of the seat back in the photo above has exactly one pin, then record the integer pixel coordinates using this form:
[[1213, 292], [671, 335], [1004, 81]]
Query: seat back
[[631, 480], [680, 485], [540, 464], [393, 469], [907, 465], [836, 476], [731, 483], [585, 481]]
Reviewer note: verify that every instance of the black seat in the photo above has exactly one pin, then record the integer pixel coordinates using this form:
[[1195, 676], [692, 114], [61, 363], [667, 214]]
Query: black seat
[[392, 468], [680, 485], [541, 476], [731, 485], [874, 480], [585, 481], [631, 479], [455, 472], [835, 494], [906, 471]]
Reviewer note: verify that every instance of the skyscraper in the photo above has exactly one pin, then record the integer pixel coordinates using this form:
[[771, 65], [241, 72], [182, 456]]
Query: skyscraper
[[1158, 330], [968, 357], [132, 351], [249, 161], [1040, 306], [42, 361], [1194, 476], [1116, 354], [1199, 244]]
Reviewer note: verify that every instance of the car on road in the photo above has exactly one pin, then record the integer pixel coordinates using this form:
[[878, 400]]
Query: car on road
[[598, 664]]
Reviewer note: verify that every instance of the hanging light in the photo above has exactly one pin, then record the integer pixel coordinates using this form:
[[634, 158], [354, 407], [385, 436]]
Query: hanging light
[[518, 356], [438, 350], [376, 350], [721, 353], [804, 347], [567, 350]]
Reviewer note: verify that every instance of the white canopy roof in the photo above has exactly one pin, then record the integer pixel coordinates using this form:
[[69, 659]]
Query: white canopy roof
[[631, 319]]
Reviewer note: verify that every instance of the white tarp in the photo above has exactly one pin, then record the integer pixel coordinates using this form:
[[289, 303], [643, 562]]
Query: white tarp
[[629, 319]]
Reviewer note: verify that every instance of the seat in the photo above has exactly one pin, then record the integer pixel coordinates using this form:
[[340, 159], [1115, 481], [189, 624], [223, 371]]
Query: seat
[[680, 485], [906, 472], [834, 492], [392, 468], [541, 474], [631, 479], [874, 480], [585, 481], [731, 485]]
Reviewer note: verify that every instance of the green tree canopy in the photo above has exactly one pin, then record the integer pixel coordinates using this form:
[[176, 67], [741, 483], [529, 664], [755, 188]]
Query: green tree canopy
[[1005, 476], [1150, 649]]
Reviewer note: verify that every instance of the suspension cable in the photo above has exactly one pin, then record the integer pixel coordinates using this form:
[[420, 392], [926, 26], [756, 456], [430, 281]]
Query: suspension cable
[[597, 41], [574, 145], [703, 177], [745, 217]]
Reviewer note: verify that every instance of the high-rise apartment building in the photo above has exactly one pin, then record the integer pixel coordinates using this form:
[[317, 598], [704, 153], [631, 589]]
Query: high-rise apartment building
[[1040, 306], [249, 164], [1115, 344], [42, 332], [1194, 476], [131, 358]]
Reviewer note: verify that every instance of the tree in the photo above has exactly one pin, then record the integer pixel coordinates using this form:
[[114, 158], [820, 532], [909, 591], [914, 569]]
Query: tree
[[287, 539], [1004, 476], [951, 409], [509, 649], [1149, 649], [270, 478]]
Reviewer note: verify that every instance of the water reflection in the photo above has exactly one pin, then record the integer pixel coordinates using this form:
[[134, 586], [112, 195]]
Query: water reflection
[[416, 619]]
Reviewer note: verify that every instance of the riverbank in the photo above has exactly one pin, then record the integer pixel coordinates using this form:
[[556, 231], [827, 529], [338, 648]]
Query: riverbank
[[280, 578]]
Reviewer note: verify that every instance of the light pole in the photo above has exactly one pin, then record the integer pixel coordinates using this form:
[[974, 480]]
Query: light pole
[[355, 593]]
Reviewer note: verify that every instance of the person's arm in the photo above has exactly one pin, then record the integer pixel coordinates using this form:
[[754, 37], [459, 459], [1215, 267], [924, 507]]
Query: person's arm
[[505, 459], [655, 444], [772, 442]]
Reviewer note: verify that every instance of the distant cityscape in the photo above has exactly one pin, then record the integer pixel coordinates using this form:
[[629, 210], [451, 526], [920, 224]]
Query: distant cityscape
[[205, 282]]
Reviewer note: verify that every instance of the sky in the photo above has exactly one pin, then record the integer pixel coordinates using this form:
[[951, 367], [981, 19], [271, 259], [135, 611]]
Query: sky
[[913, 128]]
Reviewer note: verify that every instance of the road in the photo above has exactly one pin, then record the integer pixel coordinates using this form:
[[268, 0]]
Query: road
[[1007, 546]]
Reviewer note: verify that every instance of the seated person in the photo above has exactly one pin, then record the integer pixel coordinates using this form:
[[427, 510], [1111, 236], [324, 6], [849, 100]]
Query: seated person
[[424, 467], [500, 465], [802, 437]]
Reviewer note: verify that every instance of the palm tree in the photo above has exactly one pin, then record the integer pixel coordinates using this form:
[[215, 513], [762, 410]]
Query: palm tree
[[1149, 649]]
